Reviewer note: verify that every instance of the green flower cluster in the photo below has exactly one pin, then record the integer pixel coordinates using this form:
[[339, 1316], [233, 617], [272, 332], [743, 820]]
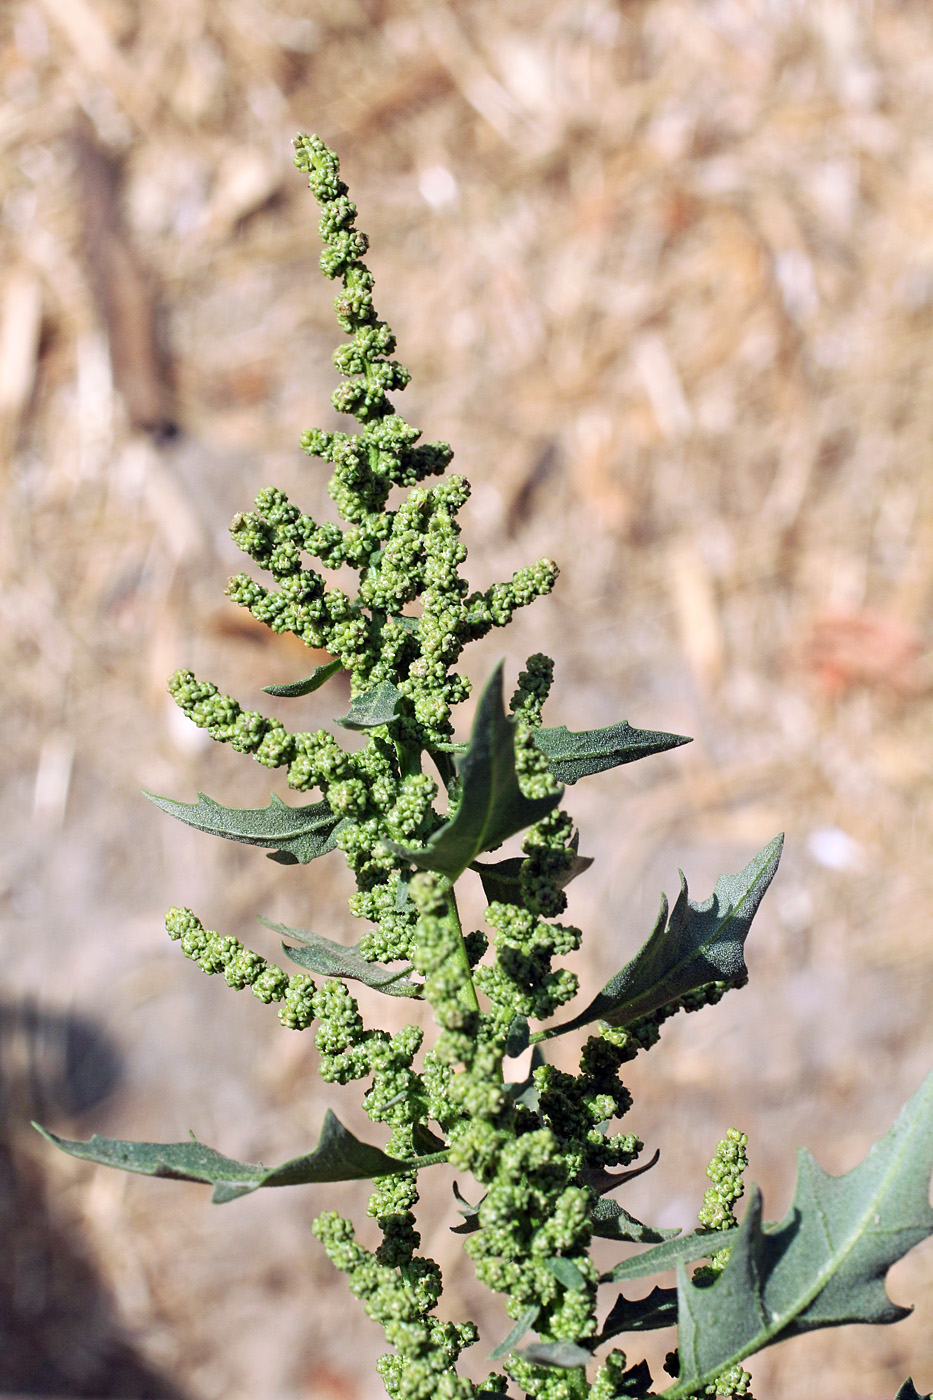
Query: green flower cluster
[[540, 1150]]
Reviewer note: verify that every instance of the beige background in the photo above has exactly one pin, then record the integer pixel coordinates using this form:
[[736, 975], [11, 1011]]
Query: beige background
[[663, 273]]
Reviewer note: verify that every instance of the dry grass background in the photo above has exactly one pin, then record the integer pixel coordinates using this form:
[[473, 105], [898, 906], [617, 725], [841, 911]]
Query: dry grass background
[[663, 272]]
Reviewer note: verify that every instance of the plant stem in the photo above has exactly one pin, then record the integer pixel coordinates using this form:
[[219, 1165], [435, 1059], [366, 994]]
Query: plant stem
[[453, 921]]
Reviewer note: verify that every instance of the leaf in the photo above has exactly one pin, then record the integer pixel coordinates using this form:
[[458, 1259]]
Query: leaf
[[492, 806], [502, 882], [909, 1391], [339, 1156], [611, 1222], [659, 1309], [566, 1272], [701, 943], [425, 1141], [375, 708], [528, 1319], [318, 676], [825, 1264], [574, 756], [564, 1354], [518, 1038], [296, 835], [332, 959], [603, 1181], [700, 1244]]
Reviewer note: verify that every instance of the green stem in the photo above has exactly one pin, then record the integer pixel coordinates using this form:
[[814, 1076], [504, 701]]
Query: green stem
[[453, 922]]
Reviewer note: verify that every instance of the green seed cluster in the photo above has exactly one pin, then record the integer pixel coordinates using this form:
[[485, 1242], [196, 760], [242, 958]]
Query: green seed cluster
[[540, 1150], [243, 968]]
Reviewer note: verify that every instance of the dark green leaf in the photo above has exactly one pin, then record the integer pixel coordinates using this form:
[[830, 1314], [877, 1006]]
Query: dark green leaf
[[564, 1354], [825, 1264], [611, 1222], [410, 624], [659, 1309], [296, 835], [339, 1156], [375, 708], [909, 1391], [701, 943], [575, 756], [700, 1244], [566, 1272], [518, 1038], [603, 1181], [528, 1319], [502, 882], [425, 1141], [492, 806], [318, 676], [332, 959], [525, 1092]]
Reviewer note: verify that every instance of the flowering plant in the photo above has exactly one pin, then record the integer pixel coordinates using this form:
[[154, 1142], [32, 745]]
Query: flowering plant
[[414, 813]]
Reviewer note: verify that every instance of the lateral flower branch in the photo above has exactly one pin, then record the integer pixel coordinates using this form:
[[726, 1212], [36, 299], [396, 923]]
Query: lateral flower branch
[[413, 815]]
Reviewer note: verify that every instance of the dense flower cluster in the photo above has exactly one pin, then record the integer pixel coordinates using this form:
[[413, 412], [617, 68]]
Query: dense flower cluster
[[538, 1150]]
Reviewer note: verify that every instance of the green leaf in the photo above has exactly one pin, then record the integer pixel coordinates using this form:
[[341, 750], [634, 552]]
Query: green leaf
[[825, 1264], [700, 1244], [603, 1181], [909, 1391], [518, 1038], [574, 756], [318, 676], [339, 1156], [331, 959], [528, 1319], [492, 806], [566, 1272], [611, 1222], [375, 708], [296, 835], [565, 1354], [502, 882], [659, 1309], [701, 943]]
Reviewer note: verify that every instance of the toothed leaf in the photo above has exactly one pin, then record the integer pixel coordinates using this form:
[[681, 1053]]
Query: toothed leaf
[[572, 756], [659, 1309], [825, 1264], [492, 806], [699, 944], [292, 835], [339, 1156]]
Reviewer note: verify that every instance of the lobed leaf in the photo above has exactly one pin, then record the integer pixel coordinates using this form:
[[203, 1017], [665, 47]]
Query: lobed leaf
[[318, 676], [701, 943], [572, 756], [492, 805], [825, 1264], [293, 835], [339, 1156], [377, 707], [909, 1391], [331, 959]]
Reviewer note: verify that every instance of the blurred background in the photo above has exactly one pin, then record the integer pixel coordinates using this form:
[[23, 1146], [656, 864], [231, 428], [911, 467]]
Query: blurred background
[[663, 273]]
